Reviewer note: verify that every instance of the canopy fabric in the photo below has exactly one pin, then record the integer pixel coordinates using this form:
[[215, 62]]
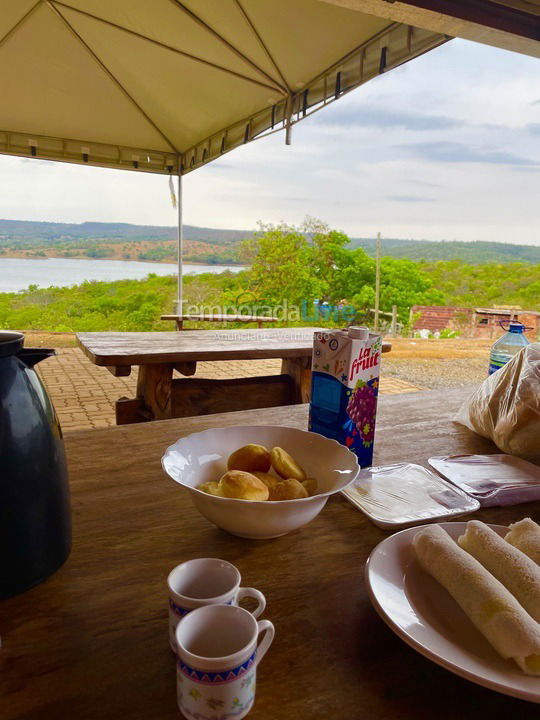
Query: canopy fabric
[[166, 86]]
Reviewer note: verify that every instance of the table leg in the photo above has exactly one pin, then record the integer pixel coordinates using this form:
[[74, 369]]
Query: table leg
[[154, 389], [179, 324], [299, 369]]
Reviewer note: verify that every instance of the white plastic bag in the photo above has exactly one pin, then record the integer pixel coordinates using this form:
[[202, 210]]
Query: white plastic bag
[[506, 406]]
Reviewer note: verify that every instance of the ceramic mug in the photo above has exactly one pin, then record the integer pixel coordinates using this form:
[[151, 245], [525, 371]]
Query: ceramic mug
[[218, 654], [205, 581]]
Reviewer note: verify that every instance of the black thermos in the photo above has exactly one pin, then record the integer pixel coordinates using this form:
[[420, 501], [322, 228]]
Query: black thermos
[[35, 519]]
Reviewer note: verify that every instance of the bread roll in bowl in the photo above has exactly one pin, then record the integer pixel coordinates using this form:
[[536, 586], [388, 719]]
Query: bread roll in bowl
[[311, 485], [242, 486], [289, 489], [249, 458], [212, 488], [285, 465], [269, 480]]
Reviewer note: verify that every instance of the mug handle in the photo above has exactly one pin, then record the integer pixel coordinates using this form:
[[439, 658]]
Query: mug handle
[[247, 592], [264, 625]]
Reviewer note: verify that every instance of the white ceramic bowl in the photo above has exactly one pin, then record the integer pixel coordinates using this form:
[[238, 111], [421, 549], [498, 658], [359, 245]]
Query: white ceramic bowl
[[201, 457]]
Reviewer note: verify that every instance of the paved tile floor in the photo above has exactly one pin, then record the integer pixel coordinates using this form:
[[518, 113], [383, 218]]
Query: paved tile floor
[[84, 394]]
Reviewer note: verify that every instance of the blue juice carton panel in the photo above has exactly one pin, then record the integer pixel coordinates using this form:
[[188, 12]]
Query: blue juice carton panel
[[344, 388]]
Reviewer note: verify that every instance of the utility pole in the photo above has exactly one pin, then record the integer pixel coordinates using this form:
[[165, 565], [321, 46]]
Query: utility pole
[[393, 326], [377, 280]]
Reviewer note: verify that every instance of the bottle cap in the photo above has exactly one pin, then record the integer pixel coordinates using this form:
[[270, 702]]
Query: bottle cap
[[359, 333], [516, 327]]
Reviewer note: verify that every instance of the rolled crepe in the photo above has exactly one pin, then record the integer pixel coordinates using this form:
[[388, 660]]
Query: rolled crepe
[[525, 535], [517, 572], [486, 602]]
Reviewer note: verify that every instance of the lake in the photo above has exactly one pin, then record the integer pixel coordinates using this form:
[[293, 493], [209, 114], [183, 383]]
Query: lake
[[18, 273]]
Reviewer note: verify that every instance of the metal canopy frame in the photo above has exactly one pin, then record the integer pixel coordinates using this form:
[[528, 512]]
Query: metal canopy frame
[[395, 45]]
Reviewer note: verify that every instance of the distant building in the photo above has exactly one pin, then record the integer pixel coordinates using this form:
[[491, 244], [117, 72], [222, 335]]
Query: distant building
[[474, 322]]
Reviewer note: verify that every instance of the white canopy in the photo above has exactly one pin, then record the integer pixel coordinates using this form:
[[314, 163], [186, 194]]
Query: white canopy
[[146, 84]]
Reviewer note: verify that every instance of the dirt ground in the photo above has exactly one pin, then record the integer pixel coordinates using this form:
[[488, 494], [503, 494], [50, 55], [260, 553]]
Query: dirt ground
[[437, 363], [429, 363]]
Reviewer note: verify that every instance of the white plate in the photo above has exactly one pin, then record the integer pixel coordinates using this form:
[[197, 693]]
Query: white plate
[[422, 612]]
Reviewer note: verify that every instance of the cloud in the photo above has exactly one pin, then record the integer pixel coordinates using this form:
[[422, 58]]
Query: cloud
[[533, 128], [456, 152], [380, 117], [408, 198], [423, 183]]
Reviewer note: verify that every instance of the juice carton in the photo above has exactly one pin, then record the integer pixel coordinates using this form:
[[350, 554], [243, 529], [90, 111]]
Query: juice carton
[[344, 388]]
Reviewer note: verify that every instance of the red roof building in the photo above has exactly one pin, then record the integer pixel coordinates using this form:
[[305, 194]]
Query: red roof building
[[474, 322]]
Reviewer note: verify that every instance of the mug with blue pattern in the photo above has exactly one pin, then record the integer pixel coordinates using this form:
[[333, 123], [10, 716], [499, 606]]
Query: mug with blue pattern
[[205, 581], [218, 654]]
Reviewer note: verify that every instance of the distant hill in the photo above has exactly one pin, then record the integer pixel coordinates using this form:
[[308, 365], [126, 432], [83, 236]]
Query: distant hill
[[216, 245], [473, 253], [22, 230]]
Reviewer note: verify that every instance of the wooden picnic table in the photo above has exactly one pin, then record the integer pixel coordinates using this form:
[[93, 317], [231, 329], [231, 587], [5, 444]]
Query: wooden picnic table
[[91, 642], [220, 318], [159, 354]]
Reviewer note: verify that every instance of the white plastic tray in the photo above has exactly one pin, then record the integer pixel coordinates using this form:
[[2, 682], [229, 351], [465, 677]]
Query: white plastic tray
[[398, 496]]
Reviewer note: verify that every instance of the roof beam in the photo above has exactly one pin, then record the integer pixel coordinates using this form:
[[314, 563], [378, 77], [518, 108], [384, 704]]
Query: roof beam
[[501, 23], [486, 12]]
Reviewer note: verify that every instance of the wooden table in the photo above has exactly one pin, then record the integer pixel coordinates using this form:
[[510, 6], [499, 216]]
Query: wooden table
[[220, 318], [91, 642], [158, 354]]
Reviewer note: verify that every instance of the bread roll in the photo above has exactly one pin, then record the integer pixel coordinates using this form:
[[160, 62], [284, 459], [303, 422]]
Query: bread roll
[[525, 535], [269, 480], [289, 489], [311, 485], [249, 458], [517, 572], [211, 488], [242, 486], [485, 601], [285, 465]]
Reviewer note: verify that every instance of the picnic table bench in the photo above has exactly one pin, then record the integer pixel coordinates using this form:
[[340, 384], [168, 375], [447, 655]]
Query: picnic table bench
[[159, 354], [91, 642], [220, 318]]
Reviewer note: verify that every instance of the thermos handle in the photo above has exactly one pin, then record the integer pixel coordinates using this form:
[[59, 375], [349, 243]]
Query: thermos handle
[[31, 356]]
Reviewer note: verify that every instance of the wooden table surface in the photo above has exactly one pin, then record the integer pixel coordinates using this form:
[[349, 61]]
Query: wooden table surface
[[142, 348], [91, 642]]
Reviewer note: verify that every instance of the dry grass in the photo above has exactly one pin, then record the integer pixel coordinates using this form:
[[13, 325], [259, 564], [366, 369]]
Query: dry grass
[[438, 349], [34, 338]]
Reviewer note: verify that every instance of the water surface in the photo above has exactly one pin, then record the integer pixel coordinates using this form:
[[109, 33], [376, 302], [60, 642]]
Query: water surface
[[18, 273]]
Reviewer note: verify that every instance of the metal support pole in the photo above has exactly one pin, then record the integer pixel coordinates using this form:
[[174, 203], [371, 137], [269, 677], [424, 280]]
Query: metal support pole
[[377, 280], [180, 237], [288, 120]]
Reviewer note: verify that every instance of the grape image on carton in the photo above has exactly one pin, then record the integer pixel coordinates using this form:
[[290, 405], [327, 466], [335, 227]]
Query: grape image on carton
[[344, 388]]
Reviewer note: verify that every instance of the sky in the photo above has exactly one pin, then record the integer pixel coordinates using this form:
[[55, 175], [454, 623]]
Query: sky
[[444, 147]]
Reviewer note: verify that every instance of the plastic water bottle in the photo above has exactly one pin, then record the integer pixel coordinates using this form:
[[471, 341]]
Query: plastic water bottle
[[506, 347]]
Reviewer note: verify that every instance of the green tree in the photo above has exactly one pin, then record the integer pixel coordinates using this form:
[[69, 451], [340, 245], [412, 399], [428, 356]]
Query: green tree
[[281, 265]]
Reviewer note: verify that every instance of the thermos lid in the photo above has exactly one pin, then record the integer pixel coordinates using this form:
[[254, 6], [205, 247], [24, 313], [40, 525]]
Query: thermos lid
[[10, 342], [358, 333]]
